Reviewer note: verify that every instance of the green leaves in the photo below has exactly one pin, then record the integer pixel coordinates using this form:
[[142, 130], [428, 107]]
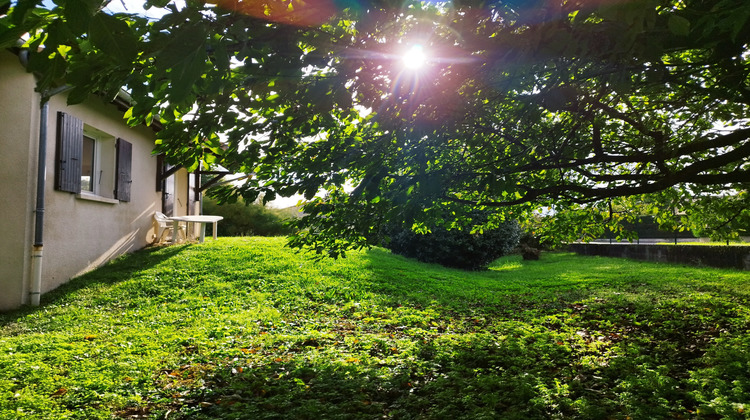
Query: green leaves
[[11, 32], [678, 25], [573, 107], [78, 14], [156, 3], [114, 37], [183, 60]]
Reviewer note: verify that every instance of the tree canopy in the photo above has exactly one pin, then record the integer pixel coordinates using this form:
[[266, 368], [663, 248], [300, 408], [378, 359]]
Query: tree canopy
[[571, 114]]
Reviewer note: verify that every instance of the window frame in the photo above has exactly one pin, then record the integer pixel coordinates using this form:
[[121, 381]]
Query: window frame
[[109, 152], [104, 159], [95, 180]]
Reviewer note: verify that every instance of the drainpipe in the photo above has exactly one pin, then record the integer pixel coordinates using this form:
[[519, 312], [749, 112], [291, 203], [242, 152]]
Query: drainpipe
[[37, 249]]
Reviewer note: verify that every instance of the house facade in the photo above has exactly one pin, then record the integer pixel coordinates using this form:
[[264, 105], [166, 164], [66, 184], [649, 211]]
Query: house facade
[[100, 187]]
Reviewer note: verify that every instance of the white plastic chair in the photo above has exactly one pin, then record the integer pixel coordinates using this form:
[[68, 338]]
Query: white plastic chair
[[165, 228]]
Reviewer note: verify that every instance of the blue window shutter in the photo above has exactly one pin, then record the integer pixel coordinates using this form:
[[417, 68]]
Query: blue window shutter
[[68, 153], [123, 177]]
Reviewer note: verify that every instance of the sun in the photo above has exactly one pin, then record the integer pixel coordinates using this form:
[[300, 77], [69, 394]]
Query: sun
[[415, 57]]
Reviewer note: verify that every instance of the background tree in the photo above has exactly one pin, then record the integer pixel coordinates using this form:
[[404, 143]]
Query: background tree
[[562, 104], [251, 219]]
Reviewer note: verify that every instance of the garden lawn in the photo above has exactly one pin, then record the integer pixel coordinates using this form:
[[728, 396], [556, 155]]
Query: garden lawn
[[246, 328]]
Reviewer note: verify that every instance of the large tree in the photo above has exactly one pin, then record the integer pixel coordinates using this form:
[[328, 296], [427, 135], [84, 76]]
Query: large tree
[[575, 112]]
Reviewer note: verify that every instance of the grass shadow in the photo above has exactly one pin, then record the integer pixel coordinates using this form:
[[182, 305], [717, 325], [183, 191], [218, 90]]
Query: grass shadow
[[122, 268], [601, 338], [296, 386], [519, 373]]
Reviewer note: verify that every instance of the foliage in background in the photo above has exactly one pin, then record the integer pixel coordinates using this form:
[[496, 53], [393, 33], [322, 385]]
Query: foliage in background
[[247, 328], [722, 218], [252, 219], [646, 227], [472, 247]]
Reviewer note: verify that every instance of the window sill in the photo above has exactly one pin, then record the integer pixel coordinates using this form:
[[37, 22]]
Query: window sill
[[97, 198]]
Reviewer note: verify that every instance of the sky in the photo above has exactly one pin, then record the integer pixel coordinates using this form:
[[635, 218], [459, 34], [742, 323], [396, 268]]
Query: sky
[[136, 6]]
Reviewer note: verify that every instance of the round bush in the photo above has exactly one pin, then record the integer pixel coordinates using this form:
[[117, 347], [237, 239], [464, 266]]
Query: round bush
[[456, 248]]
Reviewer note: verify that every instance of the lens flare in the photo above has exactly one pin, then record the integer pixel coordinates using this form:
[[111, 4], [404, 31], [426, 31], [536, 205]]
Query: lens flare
[[415, 57], [290, 12]]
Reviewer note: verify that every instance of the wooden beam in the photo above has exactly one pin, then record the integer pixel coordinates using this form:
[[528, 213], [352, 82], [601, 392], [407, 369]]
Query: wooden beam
[[168, 173], [212, 172], [212, 181]]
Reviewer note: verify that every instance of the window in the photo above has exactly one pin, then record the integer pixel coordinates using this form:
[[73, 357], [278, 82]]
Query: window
[[91, 162], [88, 160], [98, 163]]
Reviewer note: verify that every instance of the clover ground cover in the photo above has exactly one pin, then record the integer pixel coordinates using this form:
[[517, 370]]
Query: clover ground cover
[[246, 328]]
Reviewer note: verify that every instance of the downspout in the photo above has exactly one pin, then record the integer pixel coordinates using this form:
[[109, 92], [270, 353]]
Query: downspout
[[37, 250], [198, 191]]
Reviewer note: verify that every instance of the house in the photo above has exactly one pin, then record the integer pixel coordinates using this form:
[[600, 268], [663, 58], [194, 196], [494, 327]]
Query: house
[[86, 199]]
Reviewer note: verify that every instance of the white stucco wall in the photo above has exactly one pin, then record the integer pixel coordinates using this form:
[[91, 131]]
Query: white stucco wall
[[19, 110], [79, 234], [181, 192], [82, 234]]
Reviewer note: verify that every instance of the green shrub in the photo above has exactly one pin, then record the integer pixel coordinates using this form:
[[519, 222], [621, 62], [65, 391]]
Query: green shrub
[[242, 219], [456, 248]]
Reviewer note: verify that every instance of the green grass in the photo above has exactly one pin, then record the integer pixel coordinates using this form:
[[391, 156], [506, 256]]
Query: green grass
[[247, 329]]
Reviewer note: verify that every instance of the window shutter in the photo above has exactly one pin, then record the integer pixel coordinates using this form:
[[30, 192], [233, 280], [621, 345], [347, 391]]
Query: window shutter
[[123, 179], [167, 195], [160, 169], [68, 153]]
